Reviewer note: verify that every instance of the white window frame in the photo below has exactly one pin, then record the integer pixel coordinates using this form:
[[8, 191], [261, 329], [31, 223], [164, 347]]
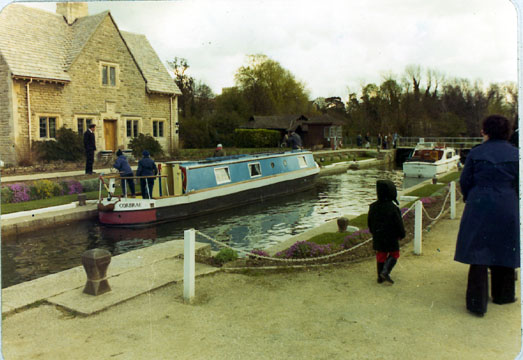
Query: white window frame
[[133, 120], [222, 175], [57, 124], [302, 161], [116, 74], [156, 128], [256, 166]]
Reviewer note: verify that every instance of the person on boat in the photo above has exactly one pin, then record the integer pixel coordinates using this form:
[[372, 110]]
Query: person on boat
[[295, 141], [488, 236], [219, 151], [386, 226], [122, 165], [146, 167]]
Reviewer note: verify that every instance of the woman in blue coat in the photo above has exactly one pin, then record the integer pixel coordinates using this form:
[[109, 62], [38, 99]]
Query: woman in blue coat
[[489, 231]]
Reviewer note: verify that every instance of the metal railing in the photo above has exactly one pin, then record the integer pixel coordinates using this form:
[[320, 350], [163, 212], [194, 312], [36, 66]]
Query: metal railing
[[455, 142]]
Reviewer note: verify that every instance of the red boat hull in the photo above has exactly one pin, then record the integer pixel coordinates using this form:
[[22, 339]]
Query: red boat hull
[[127, 217]]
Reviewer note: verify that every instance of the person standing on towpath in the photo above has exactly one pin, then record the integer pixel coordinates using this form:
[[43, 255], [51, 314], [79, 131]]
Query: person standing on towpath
[[488, 236], [386, 226]]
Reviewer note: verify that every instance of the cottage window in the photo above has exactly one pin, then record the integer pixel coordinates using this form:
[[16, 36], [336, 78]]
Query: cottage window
[[83, 124], [254, 169], [158, 126], [222, 175], [132, 128], [109, 74], [47, 127]]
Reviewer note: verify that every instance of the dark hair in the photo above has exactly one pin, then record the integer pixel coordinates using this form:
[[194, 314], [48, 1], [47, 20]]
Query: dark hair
[[91, 126], [119, 152], [496, 127]]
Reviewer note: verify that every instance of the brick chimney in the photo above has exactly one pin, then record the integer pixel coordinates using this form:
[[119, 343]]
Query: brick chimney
[[72, 10]]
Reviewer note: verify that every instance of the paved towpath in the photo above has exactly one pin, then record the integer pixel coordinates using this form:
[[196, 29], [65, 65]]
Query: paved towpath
[[324, 313]]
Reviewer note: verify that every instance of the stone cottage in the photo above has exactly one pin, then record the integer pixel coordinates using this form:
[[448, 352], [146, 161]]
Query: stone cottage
[[71, 69]]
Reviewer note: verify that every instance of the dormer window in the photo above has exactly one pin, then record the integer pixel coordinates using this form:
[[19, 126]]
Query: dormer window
[[109, 74]]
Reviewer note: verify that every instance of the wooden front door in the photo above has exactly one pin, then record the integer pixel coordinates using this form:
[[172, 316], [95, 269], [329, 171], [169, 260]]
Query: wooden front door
[[110, 134]]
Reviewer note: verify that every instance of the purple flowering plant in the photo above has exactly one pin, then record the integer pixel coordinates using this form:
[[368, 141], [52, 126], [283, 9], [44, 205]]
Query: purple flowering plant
[[20, 192], [306, 249], [258, 252], [73, 187], [355, 238]]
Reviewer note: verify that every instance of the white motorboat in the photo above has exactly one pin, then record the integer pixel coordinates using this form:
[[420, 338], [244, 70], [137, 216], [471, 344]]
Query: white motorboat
[[429, 161]]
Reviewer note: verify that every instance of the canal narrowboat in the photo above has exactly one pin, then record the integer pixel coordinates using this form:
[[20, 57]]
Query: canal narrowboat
[[428, 161], [187, 188]]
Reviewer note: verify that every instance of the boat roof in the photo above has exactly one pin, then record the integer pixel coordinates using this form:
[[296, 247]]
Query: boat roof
[[230, 159]]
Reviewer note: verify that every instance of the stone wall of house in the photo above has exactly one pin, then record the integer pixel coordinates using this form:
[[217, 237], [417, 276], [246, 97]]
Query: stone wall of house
[[7, 149], [128, 99], [85, 96]]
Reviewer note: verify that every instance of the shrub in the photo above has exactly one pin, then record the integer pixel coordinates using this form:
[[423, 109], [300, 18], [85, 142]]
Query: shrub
[[44, 189], [145, 142], [70, 187], [67, 147], [226, 255], [256, 138], [258, 252], [306, 249], [90, 185], [6, 194], [21, 192], [355, 238]]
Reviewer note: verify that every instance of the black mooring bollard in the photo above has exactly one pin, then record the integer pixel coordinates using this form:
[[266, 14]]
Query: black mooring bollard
[[343, 222], [96, 262]]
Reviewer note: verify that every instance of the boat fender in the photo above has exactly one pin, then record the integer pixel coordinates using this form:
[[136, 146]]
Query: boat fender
[[108, 207]]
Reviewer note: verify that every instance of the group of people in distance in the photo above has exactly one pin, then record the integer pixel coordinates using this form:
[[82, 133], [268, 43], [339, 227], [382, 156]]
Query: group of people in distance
[[146, 171], [488, 236], [383, 142]]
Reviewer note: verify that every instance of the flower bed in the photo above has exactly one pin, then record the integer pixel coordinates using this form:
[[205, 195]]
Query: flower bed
[[310, 249]]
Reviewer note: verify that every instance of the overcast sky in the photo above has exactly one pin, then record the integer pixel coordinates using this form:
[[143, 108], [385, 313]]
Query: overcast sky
[[330, 45]]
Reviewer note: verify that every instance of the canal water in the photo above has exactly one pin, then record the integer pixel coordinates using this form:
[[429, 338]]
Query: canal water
[[258, 225]]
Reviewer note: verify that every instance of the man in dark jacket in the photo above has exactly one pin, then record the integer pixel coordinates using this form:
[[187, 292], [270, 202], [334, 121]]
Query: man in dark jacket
[[386, 226], [90, 148], [147, 167], [488, 236], [122, 165], [295, 141]]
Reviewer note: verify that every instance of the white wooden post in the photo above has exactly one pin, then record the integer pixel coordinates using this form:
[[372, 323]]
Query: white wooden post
[[452, 199], [188, 265], [418, 216]]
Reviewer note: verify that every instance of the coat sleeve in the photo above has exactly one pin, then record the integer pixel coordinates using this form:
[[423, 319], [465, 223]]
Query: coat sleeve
[[466, 181], [155, 168], [139, 169], [399, 222]]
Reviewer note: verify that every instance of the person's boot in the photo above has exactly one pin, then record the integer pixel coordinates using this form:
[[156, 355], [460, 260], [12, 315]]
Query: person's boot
[[387, 268], [380, 269]]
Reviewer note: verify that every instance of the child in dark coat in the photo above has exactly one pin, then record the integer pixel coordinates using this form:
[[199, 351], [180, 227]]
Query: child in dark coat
[[386, 225]]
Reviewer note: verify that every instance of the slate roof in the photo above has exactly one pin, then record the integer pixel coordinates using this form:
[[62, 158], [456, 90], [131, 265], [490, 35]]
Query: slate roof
[[40, 44], [158, 79]]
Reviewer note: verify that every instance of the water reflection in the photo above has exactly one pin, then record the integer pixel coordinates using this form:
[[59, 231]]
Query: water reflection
[[255, 226]]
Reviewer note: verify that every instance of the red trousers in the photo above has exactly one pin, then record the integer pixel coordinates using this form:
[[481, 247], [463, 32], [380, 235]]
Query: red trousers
[[382, 256]]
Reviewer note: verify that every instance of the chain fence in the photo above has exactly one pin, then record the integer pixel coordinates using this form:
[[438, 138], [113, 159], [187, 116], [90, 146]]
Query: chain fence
[[318, 258]]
